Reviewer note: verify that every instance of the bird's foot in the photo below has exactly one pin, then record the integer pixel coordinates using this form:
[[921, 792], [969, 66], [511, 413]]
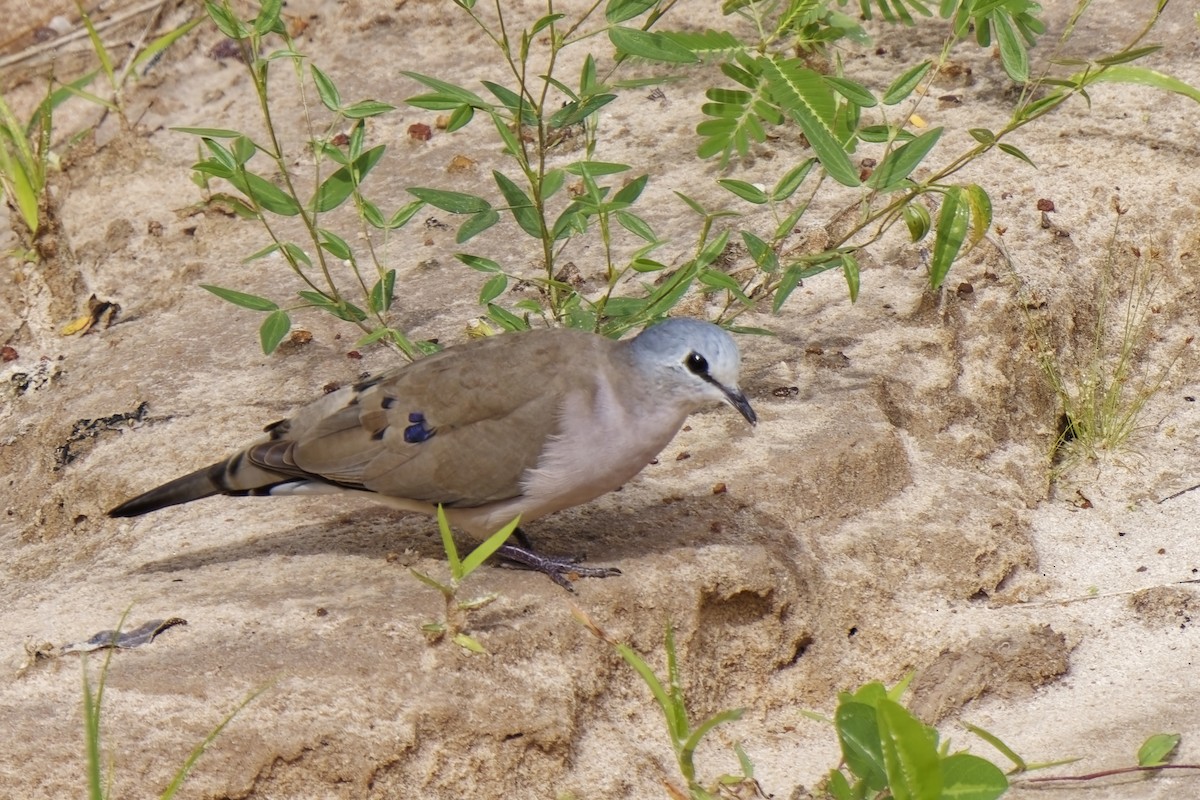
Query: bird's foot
[[560, 569]]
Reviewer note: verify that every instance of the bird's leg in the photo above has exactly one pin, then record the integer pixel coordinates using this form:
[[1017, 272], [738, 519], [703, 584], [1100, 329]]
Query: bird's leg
[[560, 569]]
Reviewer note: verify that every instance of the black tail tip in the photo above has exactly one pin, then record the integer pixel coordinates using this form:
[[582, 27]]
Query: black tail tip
[[129, 508]]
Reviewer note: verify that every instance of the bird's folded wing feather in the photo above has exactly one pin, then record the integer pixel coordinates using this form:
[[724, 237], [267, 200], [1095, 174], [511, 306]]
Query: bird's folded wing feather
[[474, 425]]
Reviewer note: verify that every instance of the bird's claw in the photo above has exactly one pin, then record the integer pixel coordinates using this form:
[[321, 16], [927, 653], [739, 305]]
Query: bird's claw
[[560, 569]]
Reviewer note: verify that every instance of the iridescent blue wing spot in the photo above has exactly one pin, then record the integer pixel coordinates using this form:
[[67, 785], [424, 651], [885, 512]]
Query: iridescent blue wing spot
[[418, 431]]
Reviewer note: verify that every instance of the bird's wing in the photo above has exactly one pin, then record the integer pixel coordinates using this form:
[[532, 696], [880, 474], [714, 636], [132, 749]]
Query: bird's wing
[[459, 428]]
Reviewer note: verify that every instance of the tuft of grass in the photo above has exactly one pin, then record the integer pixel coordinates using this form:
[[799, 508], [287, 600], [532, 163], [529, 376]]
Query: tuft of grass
[[99, 779], [454, 622], [685, 737], [1104, 394]]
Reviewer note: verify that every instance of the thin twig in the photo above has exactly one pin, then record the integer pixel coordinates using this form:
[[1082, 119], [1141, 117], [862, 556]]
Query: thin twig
[[1108, 773]]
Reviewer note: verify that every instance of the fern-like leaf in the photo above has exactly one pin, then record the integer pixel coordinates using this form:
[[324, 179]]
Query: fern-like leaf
[[737, 116], [807, 98], [709, 46]]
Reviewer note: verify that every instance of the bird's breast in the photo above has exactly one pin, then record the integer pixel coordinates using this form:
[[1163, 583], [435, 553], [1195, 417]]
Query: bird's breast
[[600, 445]]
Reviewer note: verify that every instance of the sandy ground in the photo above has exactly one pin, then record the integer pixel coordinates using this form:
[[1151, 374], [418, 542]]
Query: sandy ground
[[894, 514]]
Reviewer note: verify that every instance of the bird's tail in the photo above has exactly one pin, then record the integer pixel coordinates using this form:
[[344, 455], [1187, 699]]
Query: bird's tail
[[201, 483], [235, 475]]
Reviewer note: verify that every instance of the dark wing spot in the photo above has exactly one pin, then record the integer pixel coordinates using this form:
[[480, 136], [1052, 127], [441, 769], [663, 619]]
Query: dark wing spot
[[379, 434], [388, 402], [419, 431]]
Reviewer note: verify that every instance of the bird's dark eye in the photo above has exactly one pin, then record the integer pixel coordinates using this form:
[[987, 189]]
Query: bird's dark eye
[[696, 363]]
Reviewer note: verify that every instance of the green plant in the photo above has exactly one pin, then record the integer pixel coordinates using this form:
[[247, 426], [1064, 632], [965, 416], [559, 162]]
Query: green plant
[[26, 156], [889, 753], [455, 620], [560, 201], [312, 251], [116, 78], [1103, 396], [685, 737], [99, 787], [839, 116]]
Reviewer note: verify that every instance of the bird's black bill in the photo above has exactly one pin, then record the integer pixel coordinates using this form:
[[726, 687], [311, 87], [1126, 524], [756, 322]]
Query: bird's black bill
[[739, 401]]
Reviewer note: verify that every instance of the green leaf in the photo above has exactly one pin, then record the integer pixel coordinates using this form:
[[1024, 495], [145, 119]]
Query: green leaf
[[1147, 77], [595, 169], [266, 194], [850, 272], [1013, 54], [838, 786], [330, 97], [644, 265], [515, 103], [878, 134], [909, 754], [382, 293], [953, 219], [156, 47], [488, 547], [903, 86], [787, 284], [446, 96], [268, 19], [982, 135], [652, 46], [630, 192], [623, 10], [459, 118], [635, 225], [273, 329], [250, 301], [213, 133], [493, 288], [719, 280], [1154, 751], [454, 202], [802, 93], [448, 546], [790, 182], [862, 750], [469, 643], [762, 253], [404, 214], [996, 742], [900, 163], [476, 224], [573, 113], [968, 777], [1128, 55], [295, 255], [916, 217], [1016, 152], [856, 93], [519, 205], [506, 319], [980, 206], [545, 22], [478, 262], [334, 244], [744, 190], [366, 108], [228, 24]]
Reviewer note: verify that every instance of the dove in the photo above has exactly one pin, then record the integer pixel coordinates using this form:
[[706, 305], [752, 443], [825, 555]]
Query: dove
[[514, 425]]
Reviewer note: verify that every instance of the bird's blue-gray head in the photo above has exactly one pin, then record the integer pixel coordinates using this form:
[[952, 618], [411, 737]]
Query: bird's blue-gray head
[[695, 361]]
